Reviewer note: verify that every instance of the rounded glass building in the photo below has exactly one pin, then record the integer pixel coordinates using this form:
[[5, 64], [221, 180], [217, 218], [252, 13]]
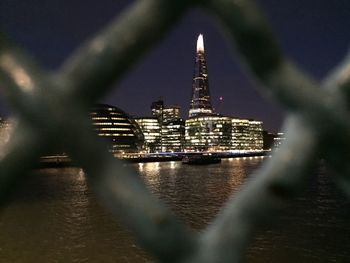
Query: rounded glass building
[[118, 128]]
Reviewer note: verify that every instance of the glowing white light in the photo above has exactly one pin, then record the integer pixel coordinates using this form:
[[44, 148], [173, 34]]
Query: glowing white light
[[19, 75], [200, 43]]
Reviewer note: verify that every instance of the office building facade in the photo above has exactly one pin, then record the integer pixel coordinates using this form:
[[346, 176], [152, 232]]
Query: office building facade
[[222, 133], [208, 133], [171, 113], [173, 135], [255, 136], [151, 130], [157, 109]]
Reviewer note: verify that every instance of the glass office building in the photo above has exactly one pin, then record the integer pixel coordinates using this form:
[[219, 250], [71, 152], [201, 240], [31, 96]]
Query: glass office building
[[208, 133], [115, 126], [151, 130], [173, 135], [222, 133]]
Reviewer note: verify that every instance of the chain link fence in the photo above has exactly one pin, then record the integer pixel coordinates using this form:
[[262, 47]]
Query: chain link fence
[[317, 125]]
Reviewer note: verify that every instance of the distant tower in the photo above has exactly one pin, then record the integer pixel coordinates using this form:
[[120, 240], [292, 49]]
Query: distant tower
[[200, 99], [157, 109]]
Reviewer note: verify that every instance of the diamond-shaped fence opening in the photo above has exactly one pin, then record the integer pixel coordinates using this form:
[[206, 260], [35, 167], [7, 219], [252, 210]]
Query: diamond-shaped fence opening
[[317, 125]]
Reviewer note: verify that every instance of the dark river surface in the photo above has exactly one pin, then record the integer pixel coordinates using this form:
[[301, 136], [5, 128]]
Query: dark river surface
[[56, 217]]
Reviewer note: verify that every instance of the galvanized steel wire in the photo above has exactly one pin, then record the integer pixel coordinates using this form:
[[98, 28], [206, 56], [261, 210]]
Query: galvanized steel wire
[[317, 125]]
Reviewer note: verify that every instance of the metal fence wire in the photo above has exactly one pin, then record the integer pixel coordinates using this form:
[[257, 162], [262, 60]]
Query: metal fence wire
[[52, 111]]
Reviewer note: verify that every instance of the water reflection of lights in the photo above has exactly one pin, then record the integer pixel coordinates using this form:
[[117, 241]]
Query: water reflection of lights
[[151, 174], [172, 165], [237, 172], [141, 166], [81, 175], [152, 166]]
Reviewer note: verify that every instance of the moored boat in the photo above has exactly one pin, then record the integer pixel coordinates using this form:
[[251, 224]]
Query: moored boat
[[201, 159]]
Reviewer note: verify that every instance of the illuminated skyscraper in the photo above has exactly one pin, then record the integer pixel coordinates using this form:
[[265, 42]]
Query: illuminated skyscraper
[[157, 109], [200, 99], [173, 130], [209, 131], [171, 113], [151, 130], [173, 135]]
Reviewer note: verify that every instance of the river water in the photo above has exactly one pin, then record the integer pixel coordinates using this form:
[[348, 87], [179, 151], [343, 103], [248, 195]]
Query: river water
[[55, 217]]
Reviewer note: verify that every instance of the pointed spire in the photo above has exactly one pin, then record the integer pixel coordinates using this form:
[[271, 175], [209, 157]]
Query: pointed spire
[[200, 43], [200, 100]]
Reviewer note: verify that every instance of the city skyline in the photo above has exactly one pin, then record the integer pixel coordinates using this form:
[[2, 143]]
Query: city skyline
[[220, 182], [315, 36]]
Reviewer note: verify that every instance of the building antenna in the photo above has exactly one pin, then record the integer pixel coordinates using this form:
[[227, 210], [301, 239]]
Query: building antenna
[[220, 105]]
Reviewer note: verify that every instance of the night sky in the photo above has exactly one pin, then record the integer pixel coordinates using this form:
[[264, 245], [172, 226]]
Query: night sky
[[315, 34]]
